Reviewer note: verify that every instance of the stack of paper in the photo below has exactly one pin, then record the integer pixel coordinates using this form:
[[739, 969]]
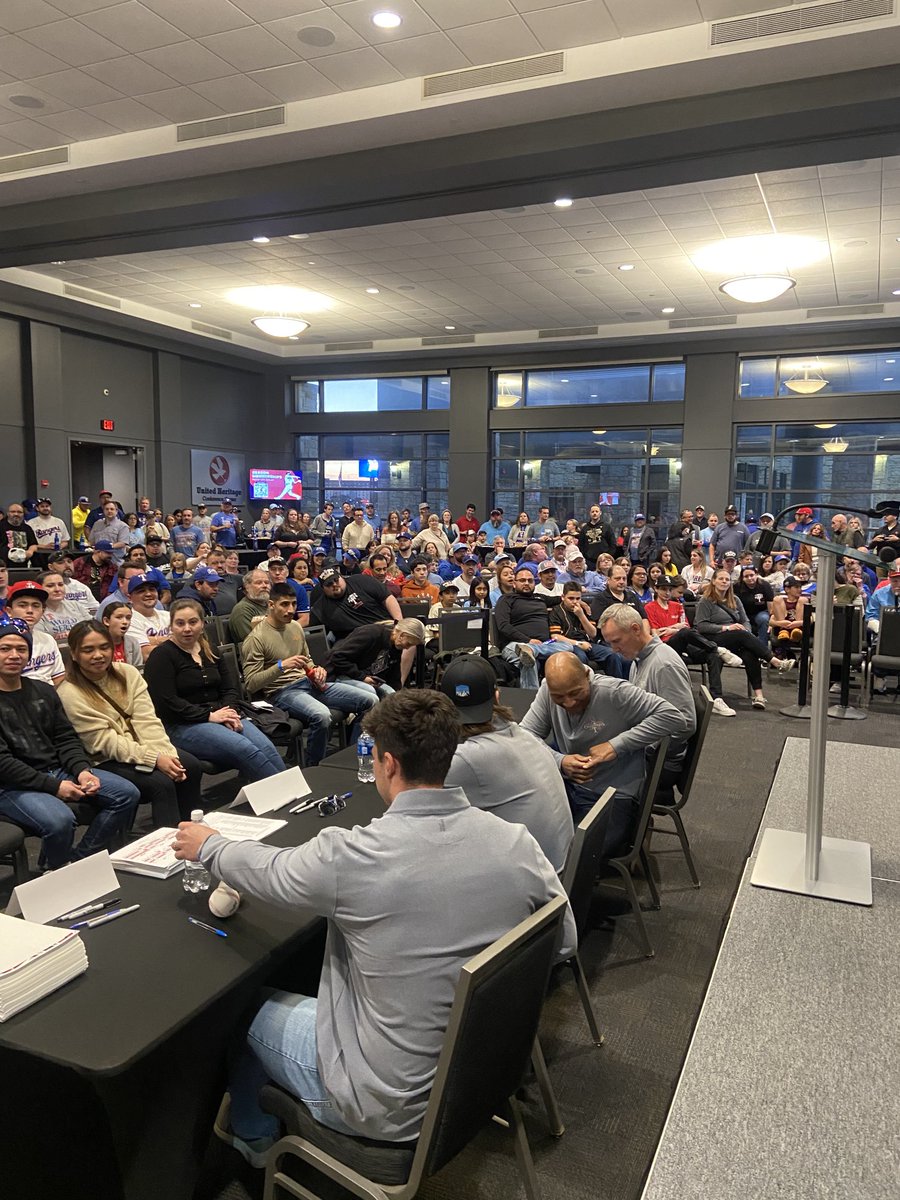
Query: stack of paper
[[34, 961], [239, 829], [150, 855]]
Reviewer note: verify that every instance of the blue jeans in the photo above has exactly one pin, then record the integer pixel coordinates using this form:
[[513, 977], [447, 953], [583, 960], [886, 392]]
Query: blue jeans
[[249, 752], [620, 814], [54, 822], [280, 1046], [613, 664], [760, 624], [311, 706]]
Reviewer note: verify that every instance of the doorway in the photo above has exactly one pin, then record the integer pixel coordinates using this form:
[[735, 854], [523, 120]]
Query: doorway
[[119, 469]]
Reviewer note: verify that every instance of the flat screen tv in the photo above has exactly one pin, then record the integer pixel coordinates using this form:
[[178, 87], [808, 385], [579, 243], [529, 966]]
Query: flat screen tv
[[267, 485]]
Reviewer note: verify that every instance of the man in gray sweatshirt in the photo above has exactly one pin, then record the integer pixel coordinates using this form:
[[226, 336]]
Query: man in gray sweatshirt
[[601, 729], [408, 899]]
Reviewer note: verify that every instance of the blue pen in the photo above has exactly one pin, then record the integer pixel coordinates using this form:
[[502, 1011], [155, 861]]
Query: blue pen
[[208, 928]]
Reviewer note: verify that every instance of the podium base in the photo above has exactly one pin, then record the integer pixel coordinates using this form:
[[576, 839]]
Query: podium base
[[804, 711], [847, 713], [845, 868]]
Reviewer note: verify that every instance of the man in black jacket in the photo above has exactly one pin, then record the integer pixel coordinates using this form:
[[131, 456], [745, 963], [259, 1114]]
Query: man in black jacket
[[43, 764], [522, 620], [372, 652], [596, 537]]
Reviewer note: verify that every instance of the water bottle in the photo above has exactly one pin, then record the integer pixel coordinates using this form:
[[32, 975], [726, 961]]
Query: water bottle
[[196, 877], [56, 541], [364, 747]]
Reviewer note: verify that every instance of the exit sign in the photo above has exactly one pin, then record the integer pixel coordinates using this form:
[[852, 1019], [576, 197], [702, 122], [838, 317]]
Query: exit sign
[[107, 425]]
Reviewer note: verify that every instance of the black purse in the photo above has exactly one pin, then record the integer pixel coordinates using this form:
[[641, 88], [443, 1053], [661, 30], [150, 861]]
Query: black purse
[[274, 722]]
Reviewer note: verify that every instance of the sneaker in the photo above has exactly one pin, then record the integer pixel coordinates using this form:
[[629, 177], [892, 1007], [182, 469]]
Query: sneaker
[[834, 689], [759, 702], [783, 664], [879, 685], [526, 655], [254, 1152], [729, 659], [720, 707]]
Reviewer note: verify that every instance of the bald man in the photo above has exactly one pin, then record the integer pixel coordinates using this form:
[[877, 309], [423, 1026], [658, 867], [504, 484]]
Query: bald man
[[602, 728]]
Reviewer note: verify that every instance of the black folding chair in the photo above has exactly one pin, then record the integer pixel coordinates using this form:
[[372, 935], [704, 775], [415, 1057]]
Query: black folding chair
[[664, 802], [485, 1054]]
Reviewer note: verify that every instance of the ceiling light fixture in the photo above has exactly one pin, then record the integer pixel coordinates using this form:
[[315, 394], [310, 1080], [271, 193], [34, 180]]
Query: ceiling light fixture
[[888, 379], [896, 292], [563, 202], [809, 383], [58, 262], [626, 266], [835, 445], [262, 241], [280, 326], [890, 360], [298, 237], [280, 299], [757, 289], [826, 425], [373, 291], [386, 20], [449, 328], [667, 310], [599, 432], [194, 304]]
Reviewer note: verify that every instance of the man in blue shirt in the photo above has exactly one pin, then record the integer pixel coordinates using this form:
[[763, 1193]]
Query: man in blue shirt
[[187, 536], [495, 526], [884, 597], [224, 526]]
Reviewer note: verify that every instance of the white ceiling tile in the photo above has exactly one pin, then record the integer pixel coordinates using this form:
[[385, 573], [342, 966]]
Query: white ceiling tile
[[448, 14], [634, 17], [188, 62], [133, 27], [296, 81], [181, 104], [358, 68], [129, 74], [75, 8], [16, 15], [251, 49], [323, 23], [274, 10], [200, 18], [427, 55], [49, 103], [578, 24], [78, 126], [32, 135], [236, 94], [72, 42], [496, 41], [358, 15], [720, 10], [77, 88], [22, 60], [127, 115]]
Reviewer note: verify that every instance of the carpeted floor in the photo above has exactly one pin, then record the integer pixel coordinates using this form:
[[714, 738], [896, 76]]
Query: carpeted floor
[[614, 1100]]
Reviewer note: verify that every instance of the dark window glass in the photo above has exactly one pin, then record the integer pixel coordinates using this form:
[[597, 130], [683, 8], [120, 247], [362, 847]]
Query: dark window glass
[[668, 381], [437, 392], [306, 396], [757, 377]]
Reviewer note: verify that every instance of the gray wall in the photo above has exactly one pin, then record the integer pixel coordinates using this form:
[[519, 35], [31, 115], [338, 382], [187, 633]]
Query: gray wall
[[15, 445]]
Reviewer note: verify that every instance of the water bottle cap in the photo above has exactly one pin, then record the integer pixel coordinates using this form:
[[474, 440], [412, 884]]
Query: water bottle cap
[[197, 814]]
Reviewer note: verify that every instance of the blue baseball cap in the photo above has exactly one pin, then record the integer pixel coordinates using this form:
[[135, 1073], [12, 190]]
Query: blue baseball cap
[[471, 558], [529, 567], [104, 544], [207, 575], [139, 581]]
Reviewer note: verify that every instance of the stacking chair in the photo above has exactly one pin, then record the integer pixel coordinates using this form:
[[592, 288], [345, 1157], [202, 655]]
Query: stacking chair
[[887, 648], [625, 862], [415, 608], [231, 672], [578, 878], [12, 850], [664, 802], [853, 614], [485, 1054], [316, 641]]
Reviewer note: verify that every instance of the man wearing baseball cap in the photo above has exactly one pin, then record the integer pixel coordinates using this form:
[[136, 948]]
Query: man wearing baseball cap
[[495, 526], [203, 588], [43, 763], [97, 511], [501, 768], [641, 545], [731, 534], [80, 513], [577, 572], [548, 581], [26, 601], [766, 523], [96, 570], [150, 623], [342, 604], [50, 531]]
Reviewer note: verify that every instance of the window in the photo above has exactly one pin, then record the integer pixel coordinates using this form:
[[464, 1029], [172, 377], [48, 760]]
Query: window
[[634, 384], [811, 375], [372, 395], [626, 470], [393, 470], [852, 463]]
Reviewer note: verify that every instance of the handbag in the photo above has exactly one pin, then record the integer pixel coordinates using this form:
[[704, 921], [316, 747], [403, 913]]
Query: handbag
[[274, 722]]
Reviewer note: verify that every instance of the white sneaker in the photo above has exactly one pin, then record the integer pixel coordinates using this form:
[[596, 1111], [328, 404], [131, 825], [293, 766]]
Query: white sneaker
[[728, 658], [783, 664], [720, 707]]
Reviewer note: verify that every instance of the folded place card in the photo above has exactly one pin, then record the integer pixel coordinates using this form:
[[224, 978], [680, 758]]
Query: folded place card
[[267, 795], [61, 891]]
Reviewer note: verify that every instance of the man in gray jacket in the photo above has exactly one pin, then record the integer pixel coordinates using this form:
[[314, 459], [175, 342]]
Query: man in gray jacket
[[408, 899], [601, 730]]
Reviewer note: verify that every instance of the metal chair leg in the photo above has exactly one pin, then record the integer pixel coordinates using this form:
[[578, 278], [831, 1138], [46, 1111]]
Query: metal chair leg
[[685, 845], [581, 983], [651, 882], [635, 907], [523, 1152], [539, 1066]]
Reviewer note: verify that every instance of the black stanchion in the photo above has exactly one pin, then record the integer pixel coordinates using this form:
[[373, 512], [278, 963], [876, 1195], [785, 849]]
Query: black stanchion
[[845, 711], [802, 709]]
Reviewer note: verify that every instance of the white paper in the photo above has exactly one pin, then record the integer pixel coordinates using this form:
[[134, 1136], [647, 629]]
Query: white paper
[[60, 891], [474, 624], [238, 828], [150, 855], [22, 941], [267, 795]]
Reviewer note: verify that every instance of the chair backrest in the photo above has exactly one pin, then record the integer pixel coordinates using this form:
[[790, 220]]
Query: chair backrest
[[655, 761], [316, 642], [490, 1033], [889, 633], [690, 611], [230, 668], [583, 859], [454, 633], [415, 608], [843, 613], [216, 631], [703, 705]]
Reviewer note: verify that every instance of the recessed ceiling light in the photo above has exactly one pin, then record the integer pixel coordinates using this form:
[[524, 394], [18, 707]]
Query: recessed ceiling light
[[262, 241], [564, 381], [26, 102], [373, 291], [58, 262], [386, 20], [888, 379], [281, 327], [667, 310], [194, 304], [626, 266], [311, 262], [293, 338], [599, 432], [564, 202], [298, 237], [594, 397], [449, 328], [826, 425], [278, 299], [890, 360], [896, 292]]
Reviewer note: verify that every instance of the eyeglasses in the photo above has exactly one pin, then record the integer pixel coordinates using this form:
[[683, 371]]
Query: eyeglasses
[[331, 805]]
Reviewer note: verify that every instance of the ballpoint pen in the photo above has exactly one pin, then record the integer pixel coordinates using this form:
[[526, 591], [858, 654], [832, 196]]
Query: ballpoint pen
[[322, 799], [88, 908], [110, 916], [208, 928]]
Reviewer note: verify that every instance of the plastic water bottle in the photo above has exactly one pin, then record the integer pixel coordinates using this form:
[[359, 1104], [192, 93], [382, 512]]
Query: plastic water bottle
[[196, 877], [364, 748]]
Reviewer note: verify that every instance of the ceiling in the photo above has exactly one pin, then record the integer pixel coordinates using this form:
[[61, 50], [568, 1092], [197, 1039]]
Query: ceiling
[[110, 78], [509, 273]]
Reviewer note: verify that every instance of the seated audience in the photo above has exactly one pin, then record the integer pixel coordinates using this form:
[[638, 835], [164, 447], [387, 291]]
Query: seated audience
[[881, 598], [203, 588], [44, 767], [278, 667], [667, 620], [17, 538], [26, 600], [50, 531], [417, 586], [253, 606], [548, 581], [198, 706], [127, 647], [111, 711], [432, 533], [757, 597], [62, 563], [60, 615], [697, 573], [149, 623], [96, 570], [374, 653], [111, 528], [343, 604]]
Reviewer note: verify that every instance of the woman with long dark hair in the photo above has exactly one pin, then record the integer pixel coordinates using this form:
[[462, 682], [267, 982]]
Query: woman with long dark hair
[[111, 711]]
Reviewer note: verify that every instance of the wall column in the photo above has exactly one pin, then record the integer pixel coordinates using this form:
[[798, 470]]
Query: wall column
[[709, 393], [469, 464]]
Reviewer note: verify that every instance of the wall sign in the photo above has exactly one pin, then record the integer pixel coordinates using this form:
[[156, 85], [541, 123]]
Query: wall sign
[[217, 475]]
